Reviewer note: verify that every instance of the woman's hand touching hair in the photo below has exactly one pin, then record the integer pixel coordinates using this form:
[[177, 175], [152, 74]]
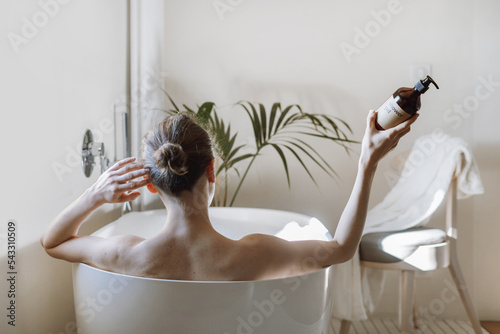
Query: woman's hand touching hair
[[117, 185]]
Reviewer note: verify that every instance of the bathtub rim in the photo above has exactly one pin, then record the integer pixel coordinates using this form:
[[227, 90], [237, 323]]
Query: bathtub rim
[[76, 264]]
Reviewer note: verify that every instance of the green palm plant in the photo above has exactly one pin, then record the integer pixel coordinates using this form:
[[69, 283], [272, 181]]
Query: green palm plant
[[281, 129], [285, 128]]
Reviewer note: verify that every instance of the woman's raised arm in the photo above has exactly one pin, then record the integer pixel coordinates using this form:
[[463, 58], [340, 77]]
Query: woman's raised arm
[[296, 257], [111, 187]]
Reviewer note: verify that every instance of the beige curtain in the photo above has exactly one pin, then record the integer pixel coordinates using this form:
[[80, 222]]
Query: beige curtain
[[146, 77]]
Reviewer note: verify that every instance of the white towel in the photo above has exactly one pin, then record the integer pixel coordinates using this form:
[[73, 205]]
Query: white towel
[[421, 188]]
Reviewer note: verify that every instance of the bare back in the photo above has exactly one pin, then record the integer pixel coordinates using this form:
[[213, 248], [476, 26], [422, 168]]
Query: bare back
[[211, 257]]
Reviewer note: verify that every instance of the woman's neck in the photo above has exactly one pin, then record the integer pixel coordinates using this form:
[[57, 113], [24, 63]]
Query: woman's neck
[[187, 214], [186, 220]]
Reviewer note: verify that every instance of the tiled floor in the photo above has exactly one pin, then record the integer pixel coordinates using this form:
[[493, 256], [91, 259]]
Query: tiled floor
[[491, 326], [389, 326]]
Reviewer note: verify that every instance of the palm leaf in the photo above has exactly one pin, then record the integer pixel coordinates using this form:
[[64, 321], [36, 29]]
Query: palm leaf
[[168, 95], [297, 156], [274, 109], [283, 160], [262, 122], [282, 117], [283, 131], [225, 144], [254, 119], [234, 161], [325, 166], [204, 112]]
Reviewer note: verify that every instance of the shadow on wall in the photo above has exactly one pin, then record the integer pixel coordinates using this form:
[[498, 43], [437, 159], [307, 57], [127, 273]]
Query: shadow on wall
[[44, 290], [312, 97], [487, 158]]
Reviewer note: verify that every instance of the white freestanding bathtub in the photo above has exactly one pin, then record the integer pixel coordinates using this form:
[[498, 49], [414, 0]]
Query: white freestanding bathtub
[[110, 303]]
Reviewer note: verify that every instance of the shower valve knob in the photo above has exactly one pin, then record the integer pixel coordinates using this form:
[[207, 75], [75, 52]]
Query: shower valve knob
[[90, 150]]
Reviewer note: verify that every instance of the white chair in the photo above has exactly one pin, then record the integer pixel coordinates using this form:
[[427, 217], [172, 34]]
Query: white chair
[[418, 249]]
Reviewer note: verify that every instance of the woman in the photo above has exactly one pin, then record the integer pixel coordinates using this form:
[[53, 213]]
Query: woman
[[179, 165]]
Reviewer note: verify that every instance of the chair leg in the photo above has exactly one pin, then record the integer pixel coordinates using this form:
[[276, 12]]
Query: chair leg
[[345, 325], [415, 310], [456, 273], [406, 301]]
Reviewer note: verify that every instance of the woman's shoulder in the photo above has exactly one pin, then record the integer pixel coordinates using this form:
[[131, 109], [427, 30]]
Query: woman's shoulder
[[253, 256]]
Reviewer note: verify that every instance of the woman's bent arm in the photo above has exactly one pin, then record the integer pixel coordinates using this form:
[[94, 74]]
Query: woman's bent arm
[[66, 224], [110, 188]]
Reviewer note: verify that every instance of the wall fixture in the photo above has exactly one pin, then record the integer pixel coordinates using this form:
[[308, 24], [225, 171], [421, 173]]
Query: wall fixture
[[91, 150]]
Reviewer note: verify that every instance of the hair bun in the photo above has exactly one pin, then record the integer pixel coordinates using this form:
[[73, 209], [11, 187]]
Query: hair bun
[[172, 157]]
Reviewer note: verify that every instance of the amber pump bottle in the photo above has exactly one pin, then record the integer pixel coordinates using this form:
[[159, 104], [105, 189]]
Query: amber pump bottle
[[403, 104]]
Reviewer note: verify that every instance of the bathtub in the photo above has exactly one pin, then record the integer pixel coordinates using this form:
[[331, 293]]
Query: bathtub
[[109, 303]]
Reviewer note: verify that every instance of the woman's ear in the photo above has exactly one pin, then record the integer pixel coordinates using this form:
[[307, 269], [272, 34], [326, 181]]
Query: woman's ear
[[211, 171], [151, 188]]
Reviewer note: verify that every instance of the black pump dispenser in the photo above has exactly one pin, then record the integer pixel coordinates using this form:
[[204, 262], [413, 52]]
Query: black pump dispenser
[[423, 85], [403, 104]]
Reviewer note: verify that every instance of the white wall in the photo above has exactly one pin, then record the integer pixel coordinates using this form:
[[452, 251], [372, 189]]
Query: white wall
[[290, 51], [65, 76], [487, 149]]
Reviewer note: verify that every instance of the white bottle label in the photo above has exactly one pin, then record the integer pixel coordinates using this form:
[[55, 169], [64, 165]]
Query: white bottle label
[[391, 114]]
